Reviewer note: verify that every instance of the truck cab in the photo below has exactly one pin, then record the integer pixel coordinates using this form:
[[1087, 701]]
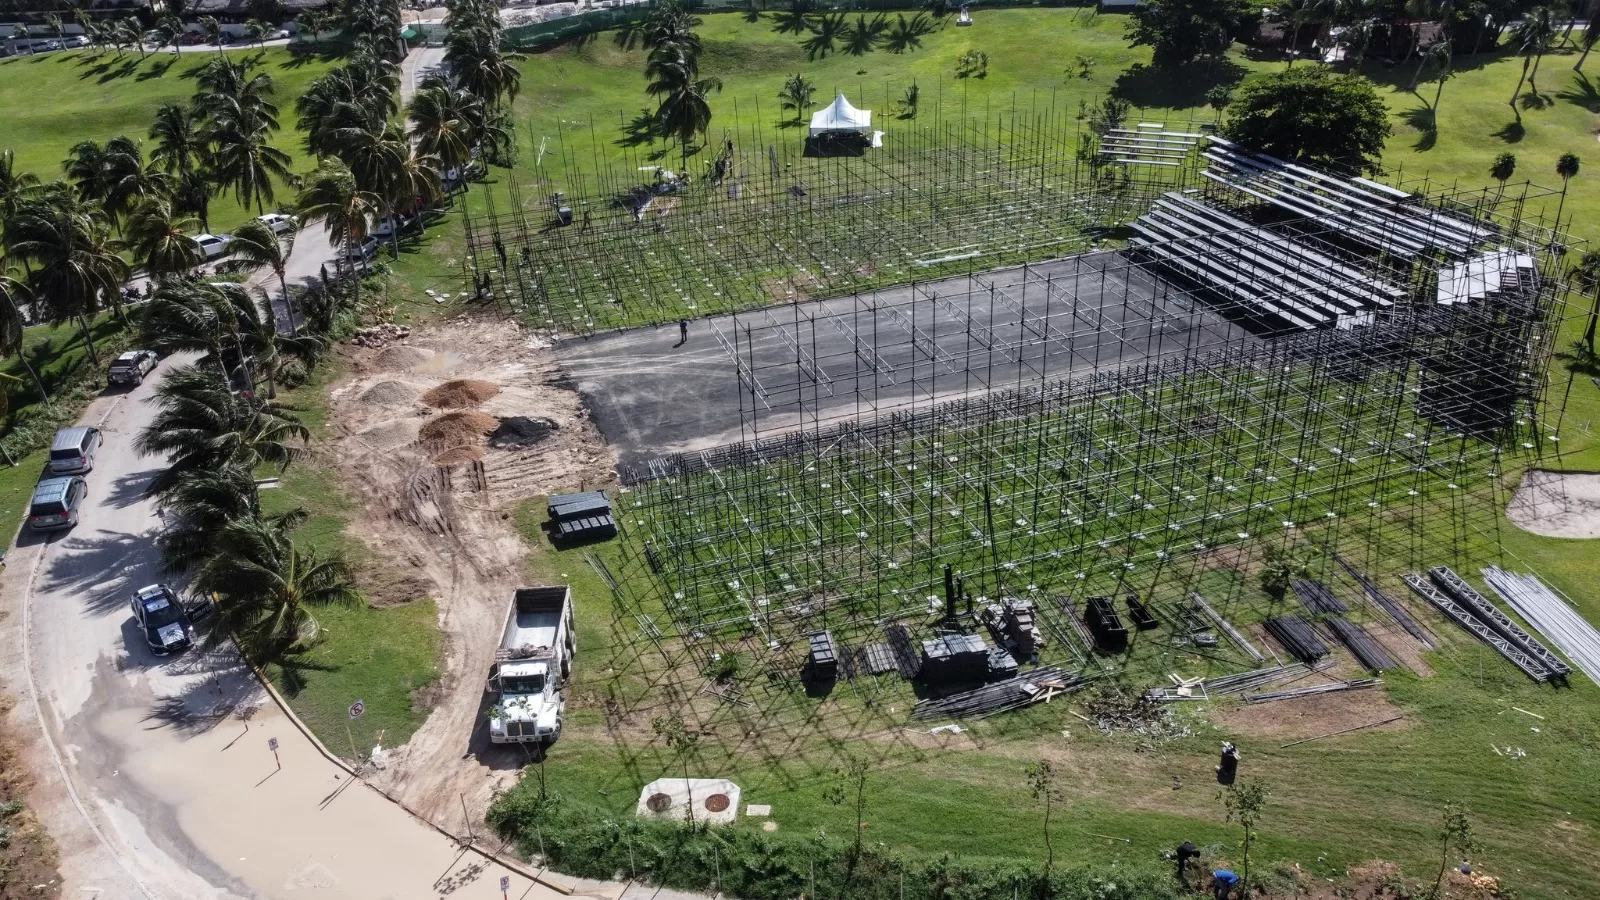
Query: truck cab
[[530, 707]]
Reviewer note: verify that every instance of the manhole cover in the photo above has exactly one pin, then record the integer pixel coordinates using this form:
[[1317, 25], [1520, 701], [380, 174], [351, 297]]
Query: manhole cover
[[658, 803], [717, 802]]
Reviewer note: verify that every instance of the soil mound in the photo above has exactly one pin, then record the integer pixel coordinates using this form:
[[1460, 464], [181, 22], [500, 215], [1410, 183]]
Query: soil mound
[[459, 428], [390, 436], [460, 393], [517, 432], [457, 455], [401, 358], [389, 393]]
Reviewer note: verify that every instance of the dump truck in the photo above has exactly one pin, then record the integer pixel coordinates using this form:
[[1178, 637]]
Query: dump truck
[[532, 664]]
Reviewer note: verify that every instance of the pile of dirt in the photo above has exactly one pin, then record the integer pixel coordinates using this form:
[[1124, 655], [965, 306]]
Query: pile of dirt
[[401, 358], [519, 432], [389, 393], [457, 455], [460, 393], [459, 428], [380, 335], [391, 435]]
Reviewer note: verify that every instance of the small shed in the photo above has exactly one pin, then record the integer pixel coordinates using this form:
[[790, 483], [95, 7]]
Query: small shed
[[841, 118]]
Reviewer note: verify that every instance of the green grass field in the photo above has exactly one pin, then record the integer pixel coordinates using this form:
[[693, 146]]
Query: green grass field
[[380, 656], [54, 100]]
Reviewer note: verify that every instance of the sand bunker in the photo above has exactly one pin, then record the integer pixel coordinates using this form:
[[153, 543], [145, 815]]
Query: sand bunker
[[400, 358], [518, 432], [389, 393], [459, 428], [1557, 504], [460, 394]]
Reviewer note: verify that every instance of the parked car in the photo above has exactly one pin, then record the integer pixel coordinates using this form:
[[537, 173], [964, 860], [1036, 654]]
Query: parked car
[[74, 42], [367, 250], [390, 224], [165, 623], [213, 245], [56, 502], [73, 450], [132, 367], [278, 222], [191, 38]]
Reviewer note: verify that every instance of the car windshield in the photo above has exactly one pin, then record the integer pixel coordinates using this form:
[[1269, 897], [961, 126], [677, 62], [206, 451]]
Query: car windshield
[[160, 611], [522, 684]]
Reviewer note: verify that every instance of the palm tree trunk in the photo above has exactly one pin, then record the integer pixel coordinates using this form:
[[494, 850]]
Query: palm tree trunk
[[1594, 317], [1518, 92], [1533, 77], [88, 343], [22, 355], [288, 304], [1584, 56]]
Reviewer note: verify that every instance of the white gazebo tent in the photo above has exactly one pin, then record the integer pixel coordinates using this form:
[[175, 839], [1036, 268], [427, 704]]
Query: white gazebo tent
[[841, 117]]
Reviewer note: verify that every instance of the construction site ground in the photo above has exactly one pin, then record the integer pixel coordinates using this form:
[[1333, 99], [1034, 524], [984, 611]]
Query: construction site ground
[[436, 488]]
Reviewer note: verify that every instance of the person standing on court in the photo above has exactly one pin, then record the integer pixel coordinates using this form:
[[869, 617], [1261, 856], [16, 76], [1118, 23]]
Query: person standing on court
[[683, 332]]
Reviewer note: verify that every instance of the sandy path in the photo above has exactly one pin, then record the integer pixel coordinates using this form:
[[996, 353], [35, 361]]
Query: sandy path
[[455, 538], [1557, 504]]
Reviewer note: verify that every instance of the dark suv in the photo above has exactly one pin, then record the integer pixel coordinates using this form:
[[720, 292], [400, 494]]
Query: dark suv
[[132, 367]]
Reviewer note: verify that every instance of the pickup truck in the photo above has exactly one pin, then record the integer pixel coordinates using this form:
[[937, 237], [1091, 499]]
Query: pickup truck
[[532, 663]]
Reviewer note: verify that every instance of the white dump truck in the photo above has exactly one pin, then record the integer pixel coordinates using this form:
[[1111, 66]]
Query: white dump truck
[[533, 663]]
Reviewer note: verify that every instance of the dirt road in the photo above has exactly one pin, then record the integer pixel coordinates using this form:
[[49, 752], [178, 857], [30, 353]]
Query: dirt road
[[145, 772]]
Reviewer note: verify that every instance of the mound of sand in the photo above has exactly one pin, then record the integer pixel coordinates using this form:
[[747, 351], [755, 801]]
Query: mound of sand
[[401, 358], [460, 393], [388, 436], [1557, 504], [459, 428], [389, 393], [458, 455]]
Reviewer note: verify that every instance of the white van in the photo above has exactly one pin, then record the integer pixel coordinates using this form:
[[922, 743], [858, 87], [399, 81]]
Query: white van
[[73, 450]]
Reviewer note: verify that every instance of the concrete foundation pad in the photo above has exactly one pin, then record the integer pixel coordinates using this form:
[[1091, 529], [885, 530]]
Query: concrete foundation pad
[[714, 800]]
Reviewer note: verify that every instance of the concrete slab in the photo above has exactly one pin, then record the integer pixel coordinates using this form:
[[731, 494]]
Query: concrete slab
[[756, 374], [714, 800]]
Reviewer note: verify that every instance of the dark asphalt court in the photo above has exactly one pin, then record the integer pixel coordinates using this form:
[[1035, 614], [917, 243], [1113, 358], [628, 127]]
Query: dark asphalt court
[[821, 362]]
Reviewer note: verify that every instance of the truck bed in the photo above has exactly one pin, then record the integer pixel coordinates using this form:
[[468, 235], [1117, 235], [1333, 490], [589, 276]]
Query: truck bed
[[534, 620]]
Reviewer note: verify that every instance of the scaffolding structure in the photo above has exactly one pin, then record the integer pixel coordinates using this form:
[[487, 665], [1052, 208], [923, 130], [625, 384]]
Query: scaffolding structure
[[769, 222], [1117, 425]]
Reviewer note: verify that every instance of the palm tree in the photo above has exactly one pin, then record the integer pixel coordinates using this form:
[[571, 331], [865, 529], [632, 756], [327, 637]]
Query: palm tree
[[257, 245], [159, 239], [685, 110], [256, 32], [310, 24], [243, 159], [827, 30], [1591, 34], [1532, 36], [74, 263], [907, 34], [199, 506], [445, 123], [190, 317], [1501, 170], [376, 156], [200, 424], [269, 586], [797, 95], [19, 33], [169, 29], [1586, 278], [213, 30], [54, 22], [1437, 53], [330, 194], [15, 186], [178, 146], [1567, 168], [12, 326]]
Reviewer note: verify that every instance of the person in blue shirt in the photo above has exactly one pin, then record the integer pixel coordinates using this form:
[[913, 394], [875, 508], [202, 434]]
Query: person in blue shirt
[[1222, 883]]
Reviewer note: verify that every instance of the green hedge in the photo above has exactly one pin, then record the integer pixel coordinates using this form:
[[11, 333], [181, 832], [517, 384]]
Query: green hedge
[[755, 865]]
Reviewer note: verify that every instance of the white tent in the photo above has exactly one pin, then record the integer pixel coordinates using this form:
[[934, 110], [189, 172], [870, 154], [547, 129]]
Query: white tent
[[841, 116]]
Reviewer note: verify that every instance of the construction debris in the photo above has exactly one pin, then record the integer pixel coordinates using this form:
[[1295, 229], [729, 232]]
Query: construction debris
[[1040, 685], [1361, 644], [1552, 616], [1316, 598], [1228, 685], [1115, 711], [1477, 614], [1330, 688], [380, 336], [1297, 636], [1201, 604], [1389, 605]]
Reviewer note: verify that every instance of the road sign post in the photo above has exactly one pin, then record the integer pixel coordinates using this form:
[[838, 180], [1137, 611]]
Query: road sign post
[[357, 709], [272, 744], [505, 887]]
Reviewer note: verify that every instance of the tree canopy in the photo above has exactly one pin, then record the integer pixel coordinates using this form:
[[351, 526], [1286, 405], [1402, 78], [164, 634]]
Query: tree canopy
[[1310, 115], [1179, 32]]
